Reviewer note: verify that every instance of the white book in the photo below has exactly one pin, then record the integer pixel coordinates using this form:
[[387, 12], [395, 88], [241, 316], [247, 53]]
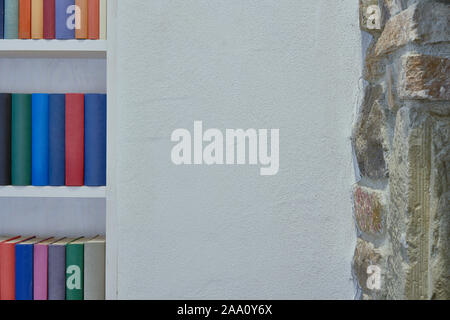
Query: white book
[[94, 269], [103, 19]]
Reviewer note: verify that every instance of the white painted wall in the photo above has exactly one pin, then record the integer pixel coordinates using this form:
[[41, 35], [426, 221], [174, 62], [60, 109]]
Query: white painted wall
[[226, 232]]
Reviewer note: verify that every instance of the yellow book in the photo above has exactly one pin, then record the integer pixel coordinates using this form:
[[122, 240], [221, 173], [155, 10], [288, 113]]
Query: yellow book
[[37, 19]]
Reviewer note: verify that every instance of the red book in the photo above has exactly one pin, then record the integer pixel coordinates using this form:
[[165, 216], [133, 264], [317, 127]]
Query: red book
[[24, 19], [8, 268], [49, 19], [93, 19], [74, 139]]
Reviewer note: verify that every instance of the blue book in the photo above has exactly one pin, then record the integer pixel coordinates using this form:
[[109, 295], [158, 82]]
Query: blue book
[[11, 19], [2, 18], [65, 19], [24, 269], [39, 142], [95, 140], [57, 140]]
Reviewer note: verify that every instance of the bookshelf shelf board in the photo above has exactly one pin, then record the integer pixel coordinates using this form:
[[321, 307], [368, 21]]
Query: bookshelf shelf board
[[52, 192], [53, 48]]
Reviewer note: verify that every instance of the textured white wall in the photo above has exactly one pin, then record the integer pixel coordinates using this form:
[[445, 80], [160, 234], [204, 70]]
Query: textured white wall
[[226, 232]]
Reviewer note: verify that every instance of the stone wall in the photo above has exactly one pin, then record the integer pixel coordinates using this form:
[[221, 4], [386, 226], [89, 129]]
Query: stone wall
[[401, 140]]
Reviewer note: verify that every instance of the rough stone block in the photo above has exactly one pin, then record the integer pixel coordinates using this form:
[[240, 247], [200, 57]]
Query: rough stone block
[[394, 6], [426, 22], [370, 16], [370, 210], [370, 135], [419, 187], [425, 77]]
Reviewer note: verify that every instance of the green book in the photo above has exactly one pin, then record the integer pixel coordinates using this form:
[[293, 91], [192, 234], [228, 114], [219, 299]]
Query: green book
[[11, 20], [75, 270], [21, 140]]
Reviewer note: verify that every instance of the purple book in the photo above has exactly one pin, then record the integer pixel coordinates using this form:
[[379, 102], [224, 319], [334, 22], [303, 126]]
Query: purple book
[[65, 19], [57, 269], [40, 266]]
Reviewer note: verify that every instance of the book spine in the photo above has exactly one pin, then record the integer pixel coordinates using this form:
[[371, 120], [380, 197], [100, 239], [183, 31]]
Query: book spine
[[56, 272], [49, 19], [24, 272], [5, 139], [65, 19], [74, 272], [93, 19], [11, 19], [94, 271], [24, 19], [21, 140], [2, 19], [7, 271], [74, 140], [95, 140], [57, 144], [37, 19], [39, 145], [103, 20], [40, 274], [81, 31]]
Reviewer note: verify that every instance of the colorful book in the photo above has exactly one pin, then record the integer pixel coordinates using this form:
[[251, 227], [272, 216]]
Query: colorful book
[[74, 139], [75, 270], [65, 19], [57, 269], [49, 19], [40, 135], [94, 269], [37, 19], [5, 139], [93, 19], [11, 26], [21, 140], [3, 239], [82, 31], [103, 19], [95, 140], [2, 19], [57, 144], [24, 19], [24, 260], [40, 269], [7, 268]]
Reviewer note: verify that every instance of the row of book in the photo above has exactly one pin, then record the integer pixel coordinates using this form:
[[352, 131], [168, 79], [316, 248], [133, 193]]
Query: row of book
[[53, 19], [52, 269], [53, 139]]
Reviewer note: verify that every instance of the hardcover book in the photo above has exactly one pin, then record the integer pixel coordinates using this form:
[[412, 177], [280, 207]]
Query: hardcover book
[[40, 269], [21, 140], [57, 269], [94, 269], [75, 270], [24, 252], [65, 17], [24, 19], [3, 239], [40, 136], [74, 140], [49, 19], [57, 144], [11, 26], [2, 19], [93, 19], [95, 140], [37, 19], [7, 268], [82, 32], [103, 20], [5, 139]]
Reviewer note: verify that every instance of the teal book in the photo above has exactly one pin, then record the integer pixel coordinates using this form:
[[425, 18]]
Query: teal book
[[21, 140], [75, 270], [11, 20]]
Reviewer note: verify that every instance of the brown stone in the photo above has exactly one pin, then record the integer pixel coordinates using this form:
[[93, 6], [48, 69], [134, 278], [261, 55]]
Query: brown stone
[[370, 210], [425, 77], [426, 22]]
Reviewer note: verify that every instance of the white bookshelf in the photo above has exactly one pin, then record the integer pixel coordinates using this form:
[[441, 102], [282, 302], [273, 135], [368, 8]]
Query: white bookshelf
[[52, 192]]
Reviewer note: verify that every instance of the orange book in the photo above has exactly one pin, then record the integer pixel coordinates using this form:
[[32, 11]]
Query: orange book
[[37, 19], [7, 268], [93, 19], [82, 31], [24, 19]]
